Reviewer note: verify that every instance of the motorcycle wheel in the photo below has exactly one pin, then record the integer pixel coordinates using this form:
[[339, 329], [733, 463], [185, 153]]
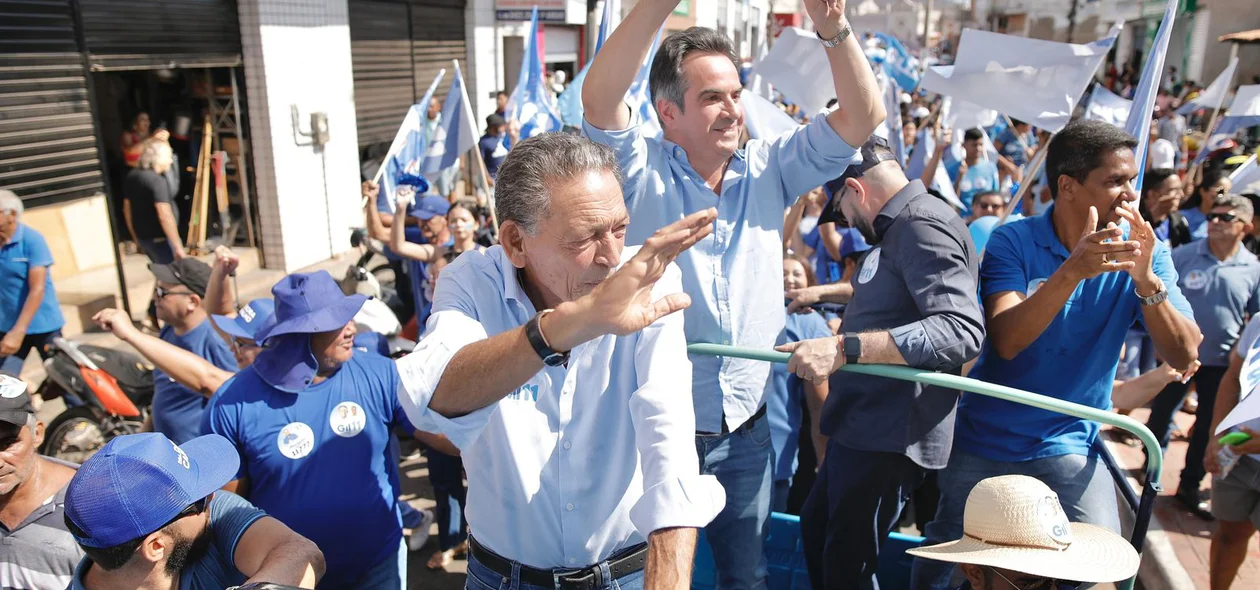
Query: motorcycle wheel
[[74, 435], [384, 274]]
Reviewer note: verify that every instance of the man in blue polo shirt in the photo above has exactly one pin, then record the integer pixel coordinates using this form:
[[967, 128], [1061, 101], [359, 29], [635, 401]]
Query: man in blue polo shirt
[[1222, 281], [181, 286], [1056, 319], [312, 423], [29, 314]]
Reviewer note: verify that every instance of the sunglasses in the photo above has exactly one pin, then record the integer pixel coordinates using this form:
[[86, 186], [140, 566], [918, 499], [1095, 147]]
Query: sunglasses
[[193, 509], [1040, 584], [1223, 217], [161, 292], [243, 343]]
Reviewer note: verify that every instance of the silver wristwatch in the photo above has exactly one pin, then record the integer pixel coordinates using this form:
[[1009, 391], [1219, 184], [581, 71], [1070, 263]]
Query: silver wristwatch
[[838, 39], [1155, 298]]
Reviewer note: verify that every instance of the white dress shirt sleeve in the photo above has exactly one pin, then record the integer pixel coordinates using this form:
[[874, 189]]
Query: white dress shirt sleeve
[[674, 492], [452, 325]]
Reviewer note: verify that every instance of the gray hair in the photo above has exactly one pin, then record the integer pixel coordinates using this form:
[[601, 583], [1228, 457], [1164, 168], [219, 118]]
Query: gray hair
[[153, 152], [1240, 204], [9, 201], [666, 79], [521, 186]]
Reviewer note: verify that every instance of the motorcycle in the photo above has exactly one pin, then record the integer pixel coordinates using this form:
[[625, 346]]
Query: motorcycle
[[107, 392]]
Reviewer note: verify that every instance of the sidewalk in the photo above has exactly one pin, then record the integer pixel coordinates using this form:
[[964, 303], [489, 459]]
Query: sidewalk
[[1188, 537]]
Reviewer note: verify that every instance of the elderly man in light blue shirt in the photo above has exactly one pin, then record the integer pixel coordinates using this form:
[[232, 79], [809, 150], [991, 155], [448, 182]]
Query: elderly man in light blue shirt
[[731, 274], [556, 363]]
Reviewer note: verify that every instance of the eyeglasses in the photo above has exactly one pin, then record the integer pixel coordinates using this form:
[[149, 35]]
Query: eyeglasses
[[242, 343], [193, 509], [1041, 584], [1222, 217], [161, 292]]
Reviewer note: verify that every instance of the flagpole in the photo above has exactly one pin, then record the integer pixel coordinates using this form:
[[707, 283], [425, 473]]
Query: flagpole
[[481, 163], [1030, 174]]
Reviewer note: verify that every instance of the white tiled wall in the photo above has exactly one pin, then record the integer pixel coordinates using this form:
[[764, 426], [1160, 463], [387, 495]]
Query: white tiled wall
[[297, 52]]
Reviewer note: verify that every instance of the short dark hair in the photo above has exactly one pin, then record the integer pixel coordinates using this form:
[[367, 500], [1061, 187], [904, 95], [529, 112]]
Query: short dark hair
[[973, 134], [1080, 148], [500, 93], [109, 558], [1155, 177], [983, 194], [666, 78]]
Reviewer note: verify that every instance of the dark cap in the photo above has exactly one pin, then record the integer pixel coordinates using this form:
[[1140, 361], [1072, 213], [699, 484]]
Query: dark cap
[[873, 152], [494, 120], [15, 403], [189, 272]]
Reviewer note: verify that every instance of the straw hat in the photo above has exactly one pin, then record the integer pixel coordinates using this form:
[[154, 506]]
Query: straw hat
[[1015, 522]]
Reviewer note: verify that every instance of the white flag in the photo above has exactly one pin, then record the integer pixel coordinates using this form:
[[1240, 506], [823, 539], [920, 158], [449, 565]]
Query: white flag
[[1243, 112], [1034, 80], [797, 67], [1213, 96], [1105, 105], [763, 119]]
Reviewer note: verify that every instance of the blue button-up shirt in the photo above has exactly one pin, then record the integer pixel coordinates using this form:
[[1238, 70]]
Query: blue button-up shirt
[[580, 461], [24, 251], [1223, 294], [727, 274]]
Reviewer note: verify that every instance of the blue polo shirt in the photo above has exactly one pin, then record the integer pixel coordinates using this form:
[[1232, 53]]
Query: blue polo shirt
[[1223, 294], [230, 517], [1074, 359], [319, 460], [25, 250], [1198, 223], [783, 402], [177, 410]]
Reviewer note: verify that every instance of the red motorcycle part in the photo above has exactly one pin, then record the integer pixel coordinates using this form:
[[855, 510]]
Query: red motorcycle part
[[106, 389]]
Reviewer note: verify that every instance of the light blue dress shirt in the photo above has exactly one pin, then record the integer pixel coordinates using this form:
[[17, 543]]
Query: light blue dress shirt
[[1222, 293], [734, 275], [582, 460]]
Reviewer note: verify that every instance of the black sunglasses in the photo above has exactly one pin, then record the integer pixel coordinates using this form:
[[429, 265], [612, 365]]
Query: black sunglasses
[[192, 510], [1225, 217], [161, 292]]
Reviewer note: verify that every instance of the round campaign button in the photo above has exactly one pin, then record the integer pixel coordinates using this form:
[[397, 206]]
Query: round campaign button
[[869, 267], [1196, 279], [296, 440], [347, 419]]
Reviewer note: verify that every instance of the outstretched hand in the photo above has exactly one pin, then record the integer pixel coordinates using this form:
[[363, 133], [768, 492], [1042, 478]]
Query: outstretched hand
[[116, 321]]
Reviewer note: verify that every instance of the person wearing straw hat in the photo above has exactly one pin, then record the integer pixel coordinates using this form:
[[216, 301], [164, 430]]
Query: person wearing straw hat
[[313, 423], [1016, 535]]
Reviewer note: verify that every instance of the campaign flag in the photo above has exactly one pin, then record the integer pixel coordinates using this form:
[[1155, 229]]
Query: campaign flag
[[796, 66], [402, 165], [1245, 175], [1243, 112], [757, 85], [1139, 122], [569, 103], [639, 97], [1034, 80], [763, 118], [1213, 96], [531, 103], [1105, 105], [890, 129], [1248, 407], [457, 132], [898, 63], [919, 158]]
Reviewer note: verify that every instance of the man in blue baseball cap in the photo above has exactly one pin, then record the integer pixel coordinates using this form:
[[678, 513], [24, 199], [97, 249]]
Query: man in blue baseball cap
[[148, 513], [312, 423]]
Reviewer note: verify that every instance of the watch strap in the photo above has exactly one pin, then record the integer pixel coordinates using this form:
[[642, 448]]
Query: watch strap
[[839, 38], [852, 347], [533, 333], [1156, 298]]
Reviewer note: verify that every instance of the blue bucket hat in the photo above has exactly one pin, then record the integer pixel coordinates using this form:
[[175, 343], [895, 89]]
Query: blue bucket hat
[[258, 315], [310, 303], [138, 483]]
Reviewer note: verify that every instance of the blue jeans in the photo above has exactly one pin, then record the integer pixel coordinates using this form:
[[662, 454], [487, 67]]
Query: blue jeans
[[446, 473], [1164, 408], [741, 461], [389, 574], [1083, 484], [854, 504], [481, 577], [779, 495]]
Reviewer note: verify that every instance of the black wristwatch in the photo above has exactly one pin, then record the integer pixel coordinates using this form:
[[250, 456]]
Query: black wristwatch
[[852, 347], [533, 332]]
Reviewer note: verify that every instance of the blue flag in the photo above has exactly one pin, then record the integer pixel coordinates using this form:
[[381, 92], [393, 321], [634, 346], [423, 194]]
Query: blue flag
[[899, 64], [531, 102], [402, 165], [570, 101], [639, 97], [1139, 122], [456, 133]]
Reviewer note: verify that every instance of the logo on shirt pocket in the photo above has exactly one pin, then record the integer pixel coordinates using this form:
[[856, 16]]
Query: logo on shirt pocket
[[869, 267], [296, 440], [1196, 279], [347, 419]]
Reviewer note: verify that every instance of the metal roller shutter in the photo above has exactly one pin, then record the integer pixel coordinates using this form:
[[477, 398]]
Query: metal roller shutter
[[396, 50], [144, 34], [48, 149]]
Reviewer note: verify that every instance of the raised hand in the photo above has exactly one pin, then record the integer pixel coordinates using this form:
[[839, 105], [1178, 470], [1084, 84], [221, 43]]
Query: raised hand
[[370, 190], [828, 16], [404, 197], [227, 259], [1143, 234], [114, 320], [1101, 251]]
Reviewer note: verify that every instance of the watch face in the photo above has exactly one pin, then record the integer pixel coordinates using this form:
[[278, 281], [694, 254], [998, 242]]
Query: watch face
[[555, 359]]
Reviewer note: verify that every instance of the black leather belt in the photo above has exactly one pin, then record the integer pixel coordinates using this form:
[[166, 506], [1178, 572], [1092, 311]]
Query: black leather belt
[[742, 428], [624, 563]]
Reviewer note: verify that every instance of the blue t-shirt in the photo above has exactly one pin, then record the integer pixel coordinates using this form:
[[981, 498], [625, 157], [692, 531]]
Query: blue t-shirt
[[826, 269], [1074, 359], [1198, 223], [493, 151], [25, 250], [980, 178], [1012, 149], [319, 460], [783, 405], [418, 274], [177, 410], [230, 517]]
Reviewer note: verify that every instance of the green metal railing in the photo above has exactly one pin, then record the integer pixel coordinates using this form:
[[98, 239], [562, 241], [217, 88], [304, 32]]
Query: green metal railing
[[1154, 454]]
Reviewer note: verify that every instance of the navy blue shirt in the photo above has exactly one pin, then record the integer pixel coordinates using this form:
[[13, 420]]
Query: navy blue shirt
[[177, 410], [493, 151], [319, 460], [230, 517], [24, 251], [826, 269], [1074, 359], [783, 402]]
